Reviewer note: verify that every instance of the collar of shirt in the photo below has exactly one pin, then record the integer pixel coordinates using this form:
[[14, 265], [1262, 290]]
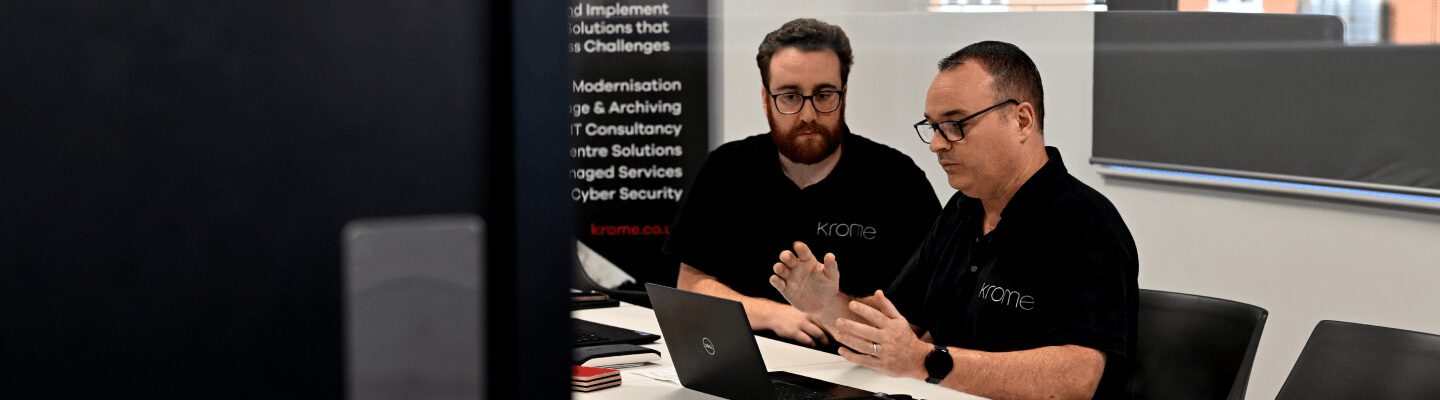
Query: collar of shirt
[[1040, 190]]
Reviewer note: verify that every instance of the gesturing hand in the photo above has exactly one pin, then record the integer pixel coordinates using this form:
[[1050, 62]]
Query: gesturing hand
[[883, 340], [806, 283]]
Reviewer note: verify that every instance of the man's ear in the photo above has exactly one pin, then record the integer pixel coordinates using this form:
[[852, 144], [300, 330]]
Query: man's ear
[[764, 99], [1025, 121]]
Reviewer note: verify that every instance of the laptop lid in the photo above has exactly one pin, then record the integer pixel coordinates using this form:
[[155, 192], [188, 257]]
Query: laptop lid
[[710, 342], [595, 334]]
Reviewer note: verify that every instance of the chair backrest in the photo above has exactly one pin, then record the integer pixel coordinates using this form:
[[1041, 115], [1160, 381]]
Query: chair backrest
[[1194, 347], [1344, 360]]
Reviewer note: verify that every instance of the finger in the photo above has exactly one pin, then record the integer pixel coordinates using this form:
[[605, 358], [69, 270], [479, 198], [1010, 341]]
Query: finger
[[788, 258], [885, 306], [780, 269], [803, 253], [863, 360], [814, 331], [870, 314], [802, 338], [851, 341], [859, 330], [778, 283], [832, 269]]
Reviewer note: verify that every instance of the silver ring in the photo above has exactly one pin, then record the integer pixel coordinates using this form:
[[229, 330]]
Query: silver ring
[[874, 348]]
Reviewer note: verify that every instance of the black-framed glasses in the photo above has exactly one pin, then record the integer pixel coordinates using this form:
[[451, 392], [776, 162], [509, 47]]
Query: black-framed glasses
[[952, 130], [823, 101]]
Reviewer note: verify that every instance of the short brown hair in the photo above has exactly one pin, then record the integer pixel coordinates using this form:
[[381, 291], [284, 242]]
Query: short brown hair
[[805, 34], [1015, 74]]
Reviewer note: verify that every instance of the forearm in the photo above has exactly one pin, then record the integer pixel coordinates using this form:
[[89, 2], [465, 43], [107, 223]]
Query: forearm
[[1059, 372], [756, 308]]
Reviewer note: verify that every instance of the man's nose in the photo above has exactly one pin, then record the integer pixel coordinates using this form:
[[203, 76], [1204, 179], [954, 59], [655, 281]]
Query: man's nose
[[807, 110], [938, 143]]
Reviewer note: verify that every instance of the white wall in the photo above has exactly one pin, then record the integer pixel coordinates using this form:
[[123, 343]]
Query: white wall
[[895, 57], [1303, 260]]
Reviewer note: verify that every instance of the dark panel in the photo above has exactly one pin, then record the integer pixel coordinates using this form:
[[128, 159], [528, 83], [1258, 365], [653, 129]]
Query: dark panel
[[1142, 5], [177, 174], [1272, 96], [1359, 114], [1178, 29]]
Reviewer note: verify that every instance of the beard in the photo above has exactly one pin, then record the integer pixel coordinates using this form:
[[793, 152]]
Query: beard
[[806, 143]]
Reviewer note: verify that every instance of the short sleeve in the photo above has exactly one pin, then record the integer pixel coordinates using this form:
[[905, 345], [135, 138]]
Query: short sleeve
[[1100, 301]]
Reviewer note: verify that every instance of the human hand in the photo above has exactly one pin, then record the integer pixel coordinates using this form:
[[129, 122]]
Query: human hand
[[805, 282], [889, 344], [790, 323]]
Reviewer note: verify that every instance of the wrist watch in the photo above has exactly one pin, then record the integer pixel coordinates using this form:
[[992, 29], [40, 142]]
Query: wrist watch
[[938, 364]]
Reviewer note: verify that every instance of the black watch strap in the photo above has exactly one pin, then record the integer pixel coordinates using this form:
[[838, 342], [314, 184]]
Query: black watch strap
[[938, 364]]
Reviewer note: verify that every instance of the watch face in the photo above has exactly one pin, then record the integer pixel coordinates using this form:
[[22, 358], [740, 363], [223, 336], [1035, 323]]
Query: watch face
[[938, 364]]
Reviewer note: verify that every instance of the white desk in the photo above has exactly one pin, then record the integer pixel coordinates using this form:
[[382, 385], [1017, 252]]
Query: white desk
[[779, 356]]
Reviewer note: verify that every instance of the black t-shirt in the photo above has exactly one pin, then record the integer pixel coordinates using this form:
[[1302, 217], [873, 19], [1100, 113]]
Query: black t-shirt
[[872, 211], [1060, 268]]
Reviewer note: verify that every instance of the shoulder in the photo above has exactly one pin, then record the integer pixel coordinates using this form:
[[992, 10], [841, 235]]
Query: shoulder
[[1088, 210], [746, 146], [736, 154], [884, 161]]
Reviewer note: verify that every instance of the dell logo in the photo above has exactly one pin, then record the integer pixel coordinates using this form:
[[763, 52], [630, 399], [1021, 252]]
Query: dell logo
[[709, 347]]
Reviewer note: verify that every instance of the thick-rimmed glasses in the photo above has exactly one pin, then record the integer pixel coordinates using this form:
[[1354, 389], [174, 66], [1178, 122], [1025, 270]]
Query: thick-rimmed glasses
[[952, 130], [823, 101]]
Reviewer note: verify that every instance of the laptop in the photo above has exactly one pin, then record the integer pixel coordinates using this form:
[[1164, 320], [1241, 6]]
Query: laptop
[[714, 351], [593, 334]]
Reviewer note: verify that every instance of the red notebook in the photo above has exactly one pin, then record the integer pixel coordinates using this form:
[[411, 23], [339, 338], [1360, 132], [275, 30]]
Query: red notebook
[[580, 374], [585, 379]]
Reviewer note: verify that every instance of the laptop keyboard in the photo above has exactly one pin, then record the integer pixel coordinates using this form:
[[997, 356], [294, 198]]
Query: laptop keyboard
[[583, 336], [790, 391]]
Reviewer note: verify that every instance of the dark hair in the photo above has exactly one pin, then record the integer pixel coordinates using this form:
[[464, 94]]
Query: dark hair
[[805, 34], [1014, 73]]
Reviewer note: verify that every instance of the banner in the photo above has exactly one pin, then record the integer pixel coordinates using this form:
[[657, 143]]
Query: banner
[[639, 124]]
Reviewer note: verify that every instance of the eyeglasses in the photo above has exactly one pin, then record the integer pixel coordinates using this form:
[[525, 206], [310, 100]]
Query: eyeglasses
[[823, 101], [951, 130]]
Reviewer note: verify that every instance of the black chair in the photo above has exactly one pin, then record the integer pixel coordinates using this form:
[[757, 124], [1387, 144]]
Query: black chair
[[1344, 360], [1194, 347]]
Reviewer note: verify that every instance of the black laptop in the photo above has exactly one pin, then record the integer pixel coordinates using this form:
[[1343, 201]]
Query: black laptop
[[594, 334], [714, 351]]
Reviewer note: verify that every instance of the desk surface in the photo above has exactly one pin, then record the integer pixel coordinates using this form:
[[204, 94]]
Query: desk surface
[[779, 356]]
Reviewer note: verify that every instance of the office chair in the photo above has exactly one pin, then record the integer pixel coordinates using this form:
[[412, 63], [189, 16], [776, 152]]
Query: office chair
[[1194, 347], [1344, 360]]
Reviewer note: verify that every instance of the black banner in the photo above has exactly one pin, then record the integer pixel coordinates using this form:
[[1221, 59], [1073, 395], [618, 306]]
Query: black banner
[[639, 124]]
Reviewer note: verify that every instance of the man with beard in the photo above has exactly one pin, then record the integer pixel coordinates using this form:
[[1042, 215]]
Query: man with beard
[[809, 179]]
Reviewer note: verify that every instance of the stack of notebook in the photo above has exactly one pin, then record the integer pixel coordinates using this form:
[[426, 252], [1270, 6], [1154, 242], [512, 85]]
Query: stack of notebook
[[585, 379]]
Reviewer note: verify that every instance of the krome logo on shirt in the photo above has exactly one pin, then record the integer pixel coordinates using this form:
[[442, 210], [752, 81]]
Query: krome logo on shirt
[[1011, 298], [842, 230]]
